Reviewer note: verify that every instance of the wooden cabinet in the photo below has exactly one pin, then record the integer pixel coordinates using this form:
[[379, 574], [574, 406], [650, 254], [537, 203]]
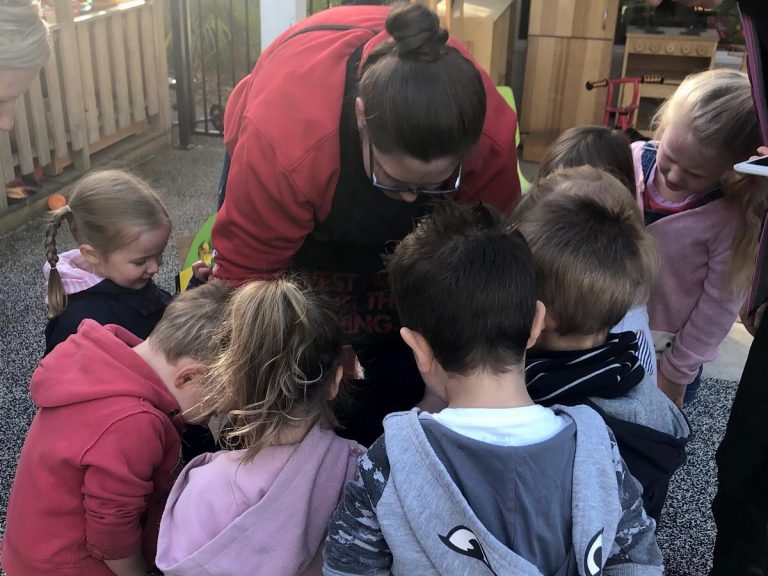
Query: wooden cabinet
[[451, 14], [489, 27], [569, 42], [672, 54], [573, 18]]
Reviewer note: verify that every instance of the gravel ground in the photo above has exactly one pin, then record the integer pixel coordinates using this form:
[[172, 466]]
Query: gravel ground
[[187, 182]]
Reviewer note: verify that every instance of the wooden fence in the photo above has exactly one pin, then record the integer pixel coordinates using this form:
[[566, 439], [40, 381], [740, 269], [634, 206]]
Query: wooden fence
[[107, 79]]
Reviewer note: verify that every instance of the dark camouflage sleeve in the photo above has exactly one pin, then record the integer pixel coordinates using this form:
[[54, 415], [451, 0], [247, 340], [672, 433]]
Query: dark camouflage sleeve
[[635, 551], [355, 544]]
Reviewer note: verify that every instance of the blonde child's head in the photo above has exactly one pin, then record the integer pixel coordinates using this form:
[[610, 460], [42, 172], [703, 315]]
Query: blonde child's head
[[598, 146], [121, 228], [187, 339], [592, 256], [703, 129], [280, 368], [715, 112]]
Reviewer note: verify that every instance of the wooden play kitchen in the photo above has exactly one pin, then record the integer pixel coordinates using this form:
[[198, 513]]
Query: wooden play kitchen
[[669, 52]]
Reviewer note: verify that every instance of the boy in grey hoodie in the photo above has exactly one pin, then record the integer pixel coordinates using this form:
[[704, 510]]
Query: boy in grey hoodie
[[492, 484], [594, 260]]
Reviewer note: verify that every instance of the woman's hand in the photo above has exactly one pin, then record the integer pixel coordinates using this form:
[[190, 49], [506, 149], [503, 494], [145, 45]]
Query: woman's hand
[[201, 271], [674, 391], [761, 151]]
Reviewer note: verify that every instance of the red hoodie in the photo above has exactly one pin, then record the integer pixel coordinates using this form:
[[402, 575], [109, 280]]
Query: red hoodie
[[282, 130], [98, 462]]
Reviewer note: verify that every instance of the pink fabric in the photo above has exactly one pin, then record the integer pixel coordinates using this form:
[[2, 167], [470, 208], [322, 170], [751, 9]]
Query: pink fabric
[[688, 298], [269, 516], [74, 273]]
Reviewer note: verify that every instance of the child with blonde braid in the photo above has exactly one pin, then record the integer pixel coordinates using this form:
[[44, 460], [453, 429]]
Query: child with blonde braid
[[121, 229], [705, 218], [264, 507]]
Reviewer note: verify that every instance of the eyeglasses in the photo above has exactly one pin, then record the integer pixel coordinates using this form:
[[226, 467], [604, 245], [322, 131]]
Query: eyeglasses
[[410, 189]]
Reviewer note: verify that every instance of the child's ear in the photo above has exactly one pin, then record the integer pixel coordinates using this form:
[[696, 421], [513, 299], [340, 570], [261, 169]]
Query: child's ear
[[360, 113], [422, 351], [333, 389], [91, 255], [540, 319], [192, 373]]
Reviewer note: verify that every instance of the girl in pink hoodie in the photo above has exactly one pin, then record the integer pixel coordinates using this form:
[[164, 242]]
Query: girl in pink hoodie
[[705, 218], [263, 507]]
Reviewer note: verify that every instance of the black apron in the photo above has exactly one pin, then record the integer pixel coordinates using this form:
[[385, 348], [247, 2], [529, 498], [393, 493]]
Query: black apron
[[342, 256]]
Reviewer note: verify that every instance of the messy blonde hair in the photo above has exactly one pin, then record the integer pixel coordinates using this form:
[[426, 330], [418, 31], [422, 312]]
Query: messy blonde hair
[[717, 107], [282, 351], [23, 35], [594, 259], [108, 210], [189, 326]]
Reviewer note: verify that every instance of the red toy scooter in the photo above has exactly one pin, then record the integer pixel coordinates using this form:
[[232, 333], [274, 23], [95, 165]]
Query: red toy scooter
[[622, 117]]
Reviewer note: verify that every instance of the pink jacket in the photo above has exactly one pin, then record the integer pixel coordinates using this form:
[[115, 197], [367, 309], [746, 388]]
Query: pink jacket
[[688, 298], [269, 516], [74, 272]]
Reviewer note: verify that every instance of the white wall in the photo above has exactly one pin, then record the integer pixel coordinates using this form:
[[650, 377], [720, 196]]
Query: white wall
[[279, 15]]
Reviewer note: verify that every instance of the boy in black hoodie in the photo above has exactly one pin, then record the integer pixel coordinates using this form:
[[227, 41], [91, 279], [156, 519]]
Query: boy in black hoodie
[[593, 262]]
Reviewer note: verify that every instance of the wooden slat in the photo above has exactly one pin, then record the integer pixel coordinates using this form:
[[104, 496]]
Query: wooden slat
[[148, 59], [104, 75], [89, 88], [107, 141], [120, 72], [55, 102], [6, 167], [39, 128], [133, 52], [23, 140], [164, 97], [72, 84]]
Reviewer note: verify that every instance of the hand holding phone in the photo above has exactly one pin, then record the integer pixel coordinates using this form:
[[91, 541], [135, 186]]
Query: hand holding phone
[[757, 166]]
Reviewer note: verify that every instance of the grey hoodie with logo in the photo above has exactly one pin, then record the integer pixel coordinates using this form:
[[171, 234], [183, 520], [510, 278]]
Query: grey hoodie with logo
[[407, 515]]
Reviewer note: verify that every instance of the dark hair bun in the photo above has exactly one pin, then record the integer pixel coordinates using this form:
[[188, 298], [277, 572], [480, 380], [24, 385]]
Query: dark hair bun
[[416, 32]]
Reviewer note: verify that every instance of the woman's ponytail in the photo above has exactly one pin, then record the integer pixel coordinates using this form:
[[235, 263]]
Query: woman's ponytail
[[416, 33], [422, 97]]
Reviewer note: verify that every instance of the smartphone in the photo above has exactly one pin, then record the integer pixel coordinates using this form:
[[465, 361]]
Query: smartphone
[[758, 166]]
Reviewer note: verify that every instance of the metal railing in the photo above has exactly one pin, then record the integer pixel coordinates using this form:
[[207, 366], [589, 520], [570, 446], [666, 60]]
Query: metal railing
[[215, 44]]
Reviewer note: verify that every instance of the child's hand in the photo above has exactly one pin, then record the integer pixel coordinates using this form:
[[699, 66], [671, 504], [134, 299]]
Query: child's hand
[[131, 566], [674, 391], [351, 367], [752, 322], [201, 271]]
